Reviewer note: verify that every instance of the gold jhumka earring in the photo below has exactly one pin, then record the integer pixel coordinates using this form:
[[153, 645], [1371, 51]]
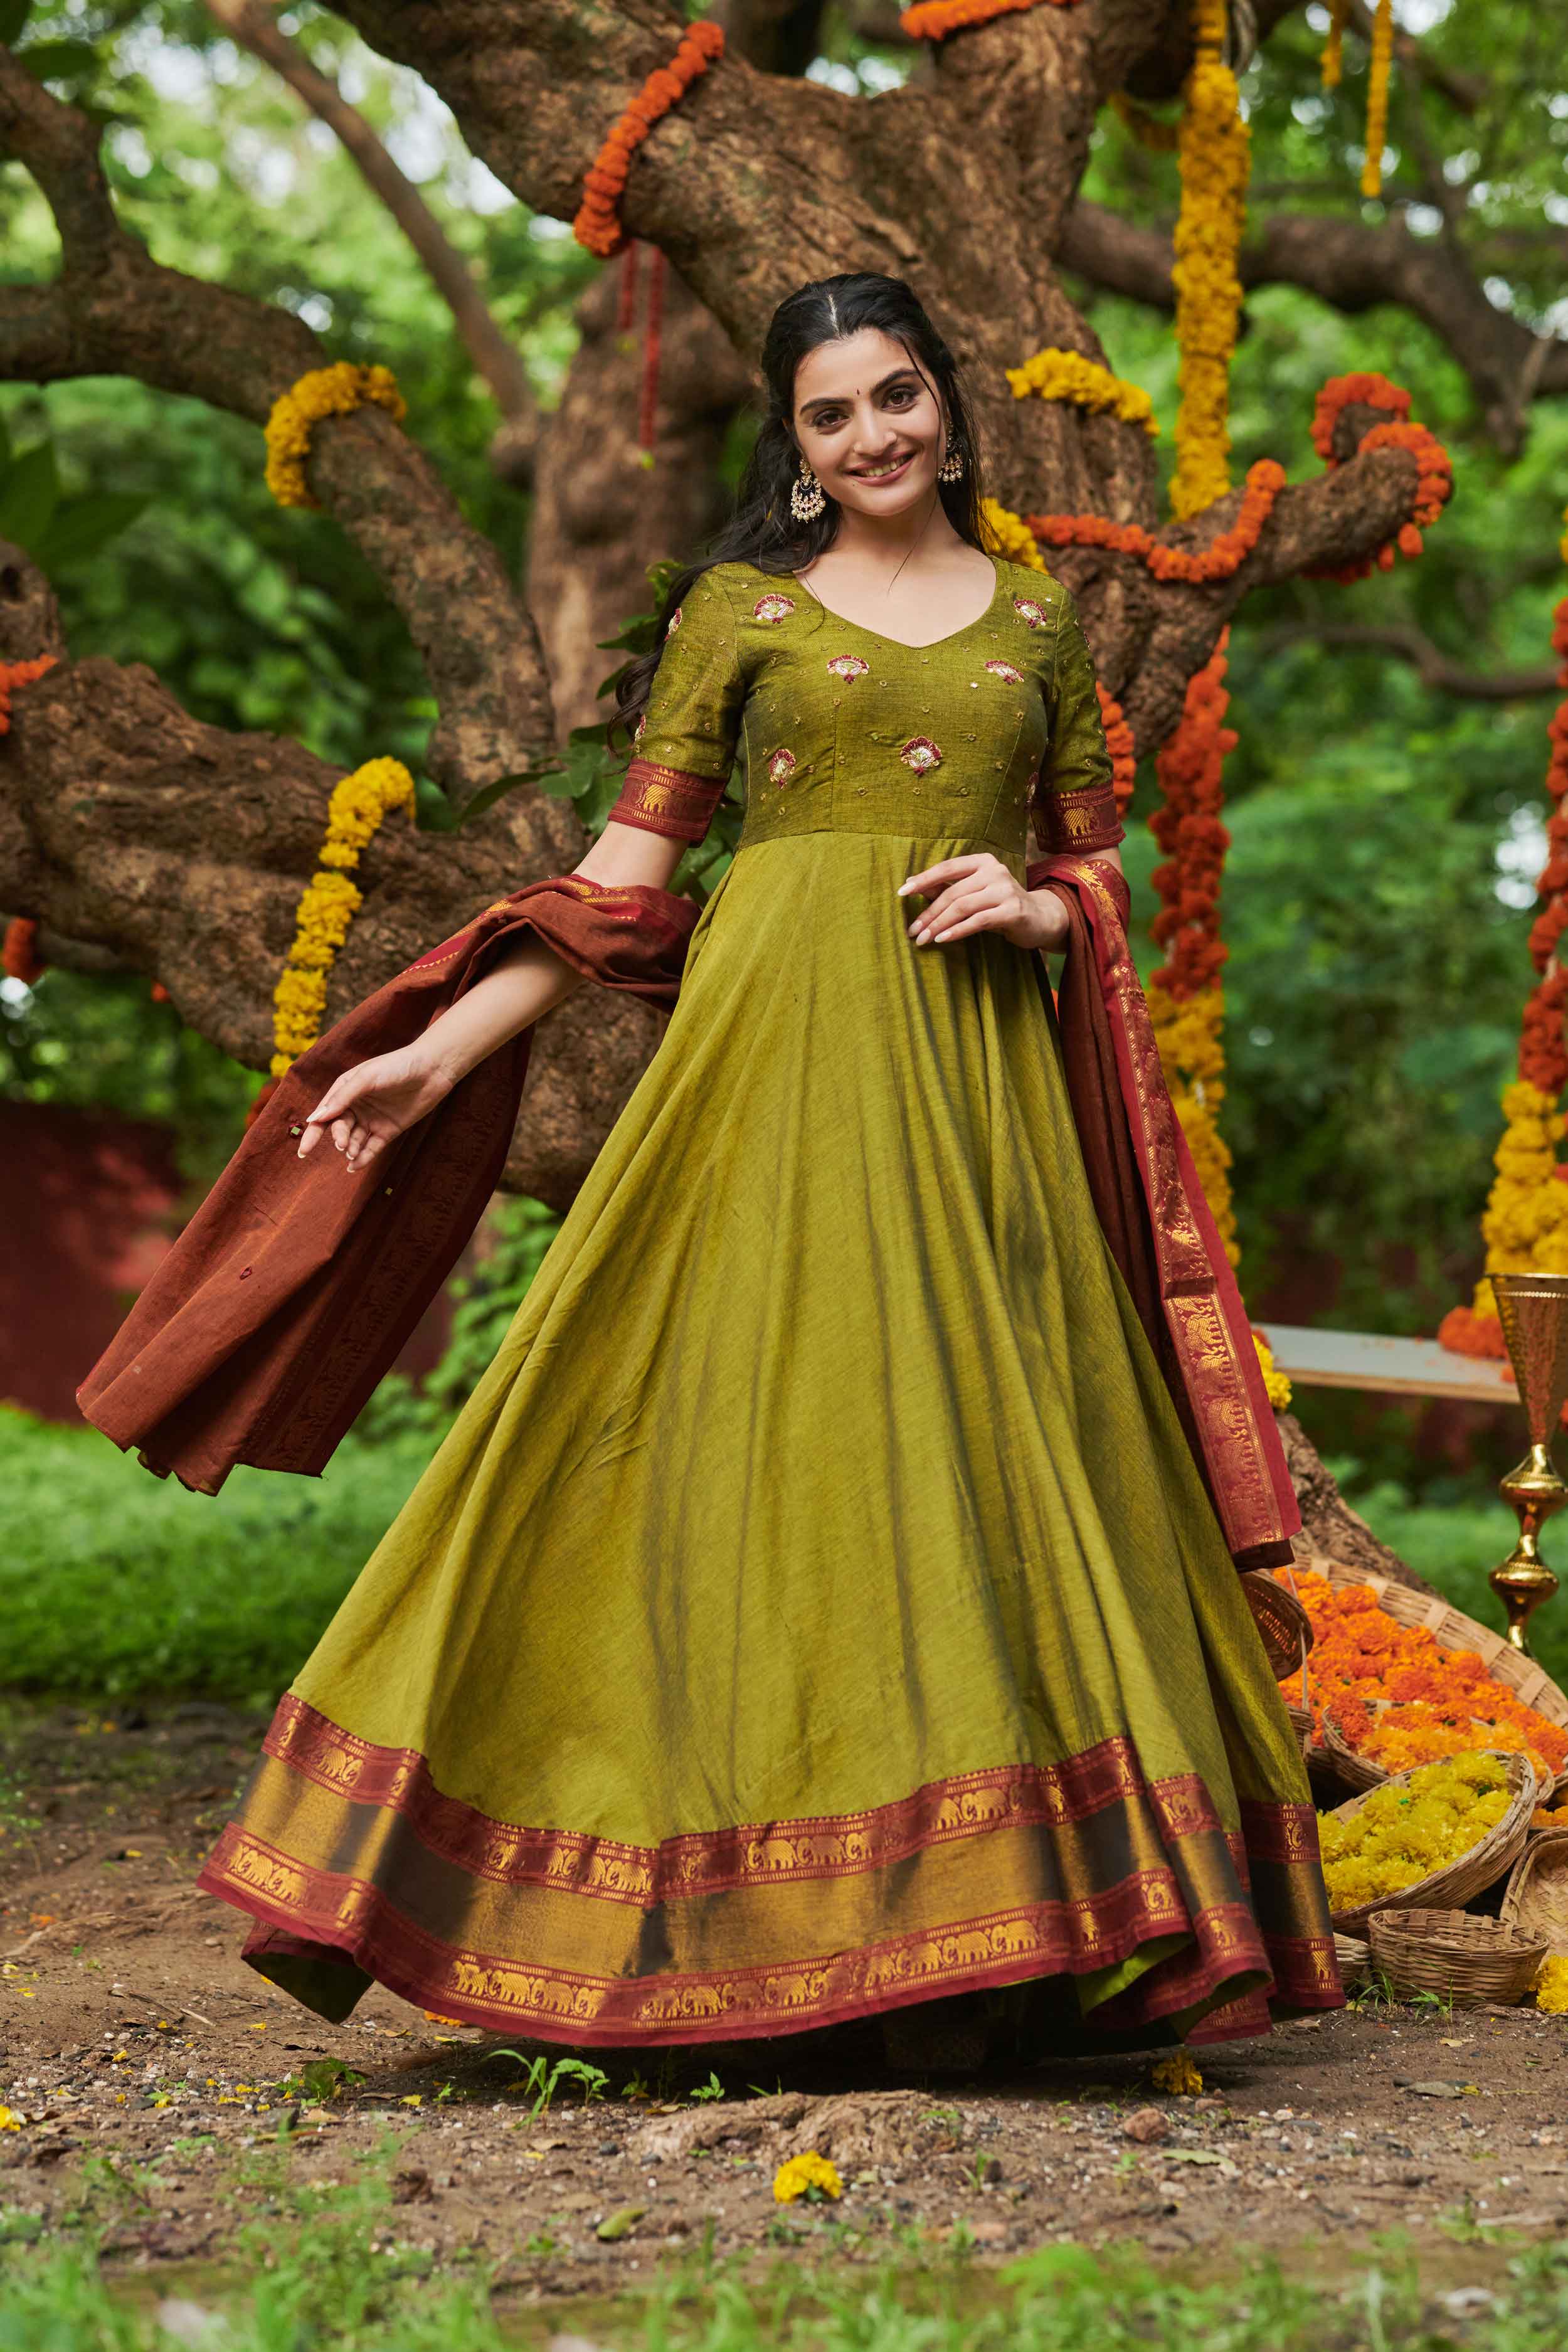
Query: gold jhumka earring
[[807, 498], [951, 467]]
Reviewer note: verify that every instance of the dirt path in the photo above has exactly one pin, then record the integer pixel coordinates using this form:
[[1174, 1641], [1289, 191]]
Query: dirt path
[[130, 2031]]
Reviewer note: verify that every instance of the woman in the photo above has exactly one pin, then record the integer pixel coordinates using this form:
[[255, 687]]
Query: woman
[[818, 1610]]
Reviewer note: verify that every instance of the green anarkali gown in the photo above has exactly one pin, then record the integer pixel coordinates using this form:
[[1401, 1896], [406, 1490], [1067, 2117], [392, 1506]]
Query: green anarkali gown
[[816, 1608]]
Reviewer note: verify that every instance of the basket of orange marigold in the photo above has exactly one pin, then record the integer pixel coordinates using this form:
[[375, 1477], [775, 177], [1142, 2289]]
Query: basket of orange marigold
[[1399, 1678]]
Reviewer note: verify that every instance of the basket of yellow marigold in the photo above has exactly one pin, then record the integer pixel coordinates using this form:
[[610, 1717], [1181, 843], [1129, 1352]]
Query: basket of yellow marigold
[[1426, 1839], [1398, 1679]]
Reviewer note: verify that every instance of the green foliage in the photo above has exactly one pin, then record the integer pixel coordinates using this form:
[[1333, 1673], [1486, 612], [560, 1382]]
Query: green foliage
[[543, 2076], [516, 1234], [91, 1042], [114, 1582]]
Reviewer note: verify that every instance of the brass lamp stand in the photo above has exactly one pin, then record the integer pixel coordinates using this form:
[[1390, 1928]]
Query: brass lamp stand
[[1533, 1311]]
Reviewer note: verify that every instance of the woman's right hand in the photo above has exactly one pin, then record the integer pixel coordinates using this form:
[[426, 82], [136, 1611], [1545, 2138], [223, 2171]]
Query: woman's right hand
[[373, 1103]]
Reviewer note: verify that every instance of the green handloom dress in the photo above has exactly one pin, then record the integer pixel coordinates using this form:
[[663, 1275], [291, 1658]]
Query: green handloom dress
[[817, 1609]]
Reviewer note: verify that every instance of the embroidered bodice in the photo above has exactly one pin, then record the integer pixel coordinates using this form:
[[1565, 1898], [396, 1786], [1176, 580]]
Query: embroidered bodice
[[843, 730]]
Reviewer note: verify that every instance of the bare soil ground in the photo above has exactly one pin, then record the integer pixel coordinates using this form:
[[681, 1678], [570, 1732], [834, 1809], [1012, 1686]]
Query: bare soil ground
[[137, 2050]]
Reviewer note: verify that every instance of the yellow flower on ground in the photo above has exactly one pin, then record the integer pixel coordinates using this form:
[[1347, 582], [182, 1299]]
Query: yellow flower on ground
[[803, 2174], [1177, 2075], [1551, 1985], [11, 2120], [322, 392]]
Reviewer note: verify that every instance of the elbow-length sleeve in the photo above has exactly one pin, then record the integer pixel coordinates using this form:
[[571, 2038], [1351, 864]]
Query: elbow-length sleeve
[[686, 744], [1075, 811]]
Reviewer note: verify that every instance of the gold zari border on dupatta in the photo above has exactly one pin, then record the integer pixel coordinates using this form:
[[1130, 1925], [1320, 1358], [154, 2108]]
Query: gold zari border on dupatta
[[989, 1879], [1217, 1379]]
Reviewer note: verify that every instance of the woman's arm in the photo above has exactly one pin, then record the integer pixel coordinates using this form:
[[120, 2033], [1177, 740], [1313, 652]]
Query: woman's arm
[[372, 1102]]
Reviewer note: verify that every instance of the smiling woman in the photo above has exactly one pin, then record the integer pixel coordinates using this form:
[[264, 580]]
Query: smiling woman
[[826, 1604]]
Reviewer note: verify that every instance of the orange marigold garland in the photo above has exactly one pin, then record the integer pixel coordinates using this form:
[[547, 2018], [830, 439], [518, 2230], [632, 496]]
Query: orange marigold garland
[[1525, 1226], [16, 674], [933, 20], [1186, 1004], [1396, 1696], [19, 957], [1120, 744], [598, 222], [1435, 471], [1216, 561]]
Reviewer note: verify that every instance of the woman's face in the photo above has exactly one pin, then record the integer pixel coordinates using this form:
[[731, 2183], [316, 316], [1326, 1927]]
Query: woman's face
[[868, 424]]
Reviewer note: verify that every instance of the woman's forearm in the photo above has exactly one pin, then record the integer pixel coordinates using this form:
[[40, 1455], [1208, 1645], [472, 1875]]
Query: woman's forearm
[[529, 979]]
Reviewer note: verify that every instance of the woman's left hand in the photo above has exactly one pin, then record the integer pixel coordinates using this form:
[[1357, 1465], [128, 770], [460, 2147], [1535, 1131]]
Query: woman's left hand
[[978, 893]]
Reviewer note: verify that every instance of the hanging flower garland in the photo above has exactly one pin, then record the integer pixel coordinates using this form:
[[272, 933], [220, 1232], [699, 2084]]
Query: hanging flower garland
[[19, 957], [1228, 549], [332, 390], [1525, 1226], [1186, 1004], [933, 20], [1009, 536], [1120, 744], [1377, 98], [598, 222], [1334, 44], [331, 901], [1054, 375], [1214, 150]]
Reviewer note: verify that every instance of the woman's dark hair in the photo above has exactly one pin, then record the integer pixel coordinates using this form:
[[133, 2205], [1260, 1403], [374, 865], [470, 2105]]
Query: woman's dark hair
[[763, 529]]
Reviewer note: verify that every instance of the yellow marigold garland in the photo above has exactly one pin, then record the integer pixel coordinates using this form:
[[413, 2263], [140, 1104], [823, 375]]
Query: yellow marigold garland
[[330, 904], [1334, 46], [1276, 1385], [1055, 374], [322, 392], [1377, 98], [1010, 536], [1213, 146]]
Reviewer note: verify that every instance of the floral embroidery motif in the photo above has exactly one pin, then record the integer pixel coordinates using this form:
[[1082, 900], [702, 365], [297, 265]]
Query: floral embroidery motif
[[848, 666], [781, 767], [774, 606], [1005, 669], [674, 620], [637, 729], [1028, 610], [920, 754]]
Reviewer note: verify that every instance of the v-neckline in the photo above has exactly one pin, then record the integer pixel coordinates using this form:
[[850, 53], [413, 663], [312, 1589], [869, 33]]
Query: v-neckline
[[881, 636]]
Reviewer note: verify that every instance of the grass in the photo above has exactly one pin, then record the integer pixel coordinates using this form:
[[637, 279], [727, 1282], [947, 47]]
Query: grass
[[326, 2269], [115, 1584]]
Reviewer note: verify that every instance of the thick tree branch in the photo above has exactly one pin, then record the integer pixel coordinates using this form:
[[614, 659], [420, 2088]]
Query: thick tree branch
[[1406, 643], [131, 828], [253, 26], [1355, 267], [113, 310]]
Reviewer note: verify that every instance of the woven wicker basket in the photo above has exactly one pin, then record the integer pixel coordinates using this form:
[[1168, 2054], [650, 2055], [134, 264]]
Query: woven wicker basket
[[1490, 1859], [1284, 1625], [1354, 1958], [1466, 1959], [1451, 1630], [1301, 1724], [1536, 1902]]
